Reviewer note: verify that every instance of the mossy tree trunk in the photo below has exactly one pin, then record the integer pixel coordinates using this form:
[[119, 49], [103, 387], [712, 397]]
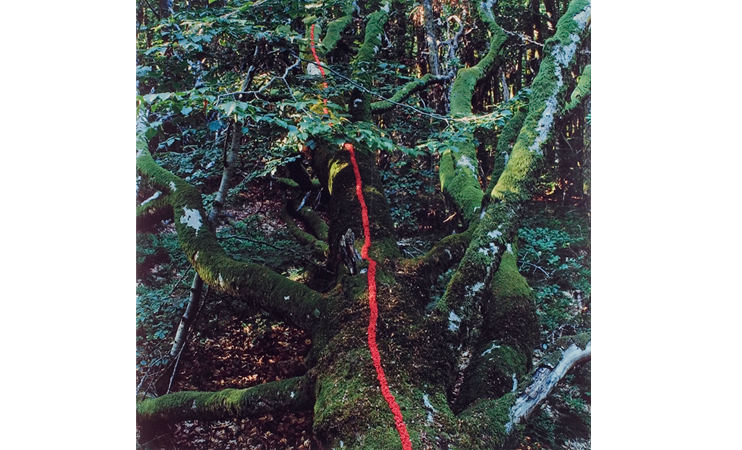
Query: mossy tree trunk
[[451, 370]]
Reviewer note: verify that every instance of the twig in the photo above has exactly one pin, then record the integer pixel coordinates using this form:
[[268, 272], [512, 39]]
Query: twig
[[285, 74], [548, 275], [338, 74], [179, 280], [523, 37], [243, 238], [177, 360]]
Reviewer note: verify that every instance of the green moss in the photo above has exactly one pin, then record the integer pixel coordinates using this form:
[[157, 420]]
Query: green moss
[[334, 33], [459, 182], [293, 393], [320, 247], [287, 182], [483, 424], [467, 78], [314, 221], [511, 314], [581, 340], [581, 91], [335, 167], [508, 282], [445, 254], [345, 209], [491, 374], [504, 145], [405, 91], [547, 91], [371, 44]]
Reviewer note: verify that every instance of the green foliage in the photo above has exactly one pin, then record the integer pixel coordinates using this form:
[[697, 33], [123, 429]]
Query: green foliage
[[460, 131], [408, 190], [556, 262], [257, 239]]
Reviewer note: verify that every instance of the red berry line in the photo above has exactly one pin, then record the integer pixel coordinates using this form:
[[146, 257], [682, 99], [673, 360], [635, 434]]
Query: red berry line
[[375, 356]]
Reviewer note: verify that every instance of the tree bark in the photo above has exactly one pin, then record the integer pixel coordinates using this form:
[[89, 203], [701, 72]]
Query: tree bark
[[430, 38]]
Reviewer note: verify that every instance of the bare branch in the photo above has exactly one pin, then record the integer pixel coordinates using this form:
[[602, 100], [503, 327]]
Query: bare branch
[[543, 383]]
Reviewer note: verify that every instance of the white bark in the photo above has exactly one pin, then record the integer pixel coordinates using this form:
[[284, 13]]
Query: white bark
[[544, 382]]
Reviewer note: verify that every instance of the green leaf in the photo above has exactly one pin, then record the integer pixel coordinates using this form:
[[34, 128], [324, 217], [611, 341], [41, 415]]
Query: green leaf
[[228, 107], [215, 125], [187, 110]]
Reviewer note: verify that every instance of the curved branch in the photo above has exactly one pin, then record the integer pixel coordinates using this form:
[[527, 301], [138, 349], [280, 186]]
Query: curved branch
[[319, 247], [405, 91], [291, 394], [315, 223], [334, 31], [543, 383], [153, 211], [445, 254], [288, 300], [459, 169], [581, 91]]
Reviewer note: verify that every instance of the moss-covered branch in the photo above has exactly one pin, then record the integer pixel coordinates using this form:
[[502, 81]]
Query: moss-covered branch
[[510, 316], [360, 100], [335, 30], [371, 44], [510, 332], [289, 300], [504, 146], [547, 92], [445, 254], [319, 247], [405, 91], [316, 224], [467, 78], [459, 167], [153, 211], [465, 297], [582, 90], [292, 394]]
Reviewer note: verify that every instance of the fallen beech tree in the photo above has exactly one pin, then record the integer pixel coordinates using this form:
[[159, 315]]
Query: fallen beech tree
[[461, 371]]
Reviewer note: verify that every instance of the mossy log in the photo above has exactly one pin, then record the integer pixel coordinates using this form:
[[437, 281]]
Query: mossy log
[[291, 394]]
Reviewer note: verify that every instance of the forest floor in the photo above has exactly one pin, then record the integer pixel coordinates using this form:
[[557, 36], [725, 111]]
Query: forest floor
[[234, 353]]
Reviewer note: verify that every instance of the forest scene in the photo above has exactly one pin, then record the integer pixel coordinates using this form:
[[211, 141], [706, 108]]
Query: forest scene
[[363, 225]]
